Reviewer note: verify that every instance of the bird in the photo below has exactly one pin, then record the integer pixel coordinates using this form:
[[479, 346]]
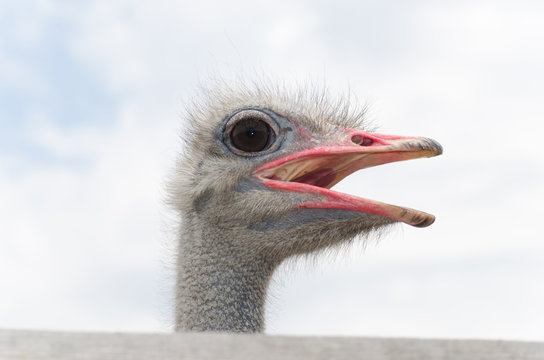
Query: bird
[[252, 188]]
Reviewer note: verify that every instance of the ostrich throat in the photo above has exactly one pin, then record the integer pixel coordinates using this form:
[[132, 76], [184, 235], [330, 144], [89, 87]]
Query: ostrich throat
[[220, 287]]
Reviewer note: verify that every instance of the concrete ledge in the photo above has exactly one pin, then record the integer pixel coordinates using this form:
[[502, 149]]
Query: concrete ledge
[[21, 344]]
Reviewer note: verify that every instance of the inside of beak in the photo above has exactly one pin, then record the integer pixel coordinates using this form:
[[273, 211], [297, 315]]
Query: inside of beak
[[323, 171]]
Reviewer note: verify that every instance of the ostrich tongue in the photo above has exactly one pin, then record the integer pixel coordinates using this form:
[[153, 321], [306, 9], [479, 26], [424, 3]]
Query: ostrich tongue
[[317, 169]]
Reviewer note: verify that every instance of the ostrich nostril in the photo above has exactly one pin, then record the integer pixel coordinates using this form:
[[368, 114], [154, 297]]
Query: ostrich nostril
[[363, 141], [357, 139], [367, 142]]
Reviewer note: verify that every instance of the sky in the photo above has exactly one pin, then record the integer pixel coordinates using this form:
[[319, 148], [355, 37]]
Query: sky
[[91, 97]]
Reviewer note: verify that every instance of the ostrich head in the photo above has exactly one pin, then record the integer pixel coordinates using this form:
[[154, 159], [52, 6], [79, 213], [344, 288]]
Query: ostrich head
[[254, 188]]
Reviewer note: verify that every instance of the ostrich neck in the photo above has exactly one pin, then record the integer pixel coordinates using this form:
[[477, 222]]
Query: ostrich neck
[[219, 287]]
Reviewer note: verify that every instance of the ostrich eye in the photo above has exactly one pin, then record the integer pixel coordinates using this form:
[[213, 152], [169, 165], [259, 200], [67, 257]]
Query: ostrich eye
[[250, 134]]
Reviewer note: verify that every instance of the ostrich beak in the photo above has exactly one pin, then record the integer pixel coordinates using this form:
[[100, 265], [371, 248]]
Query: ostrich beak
[[315, 170]]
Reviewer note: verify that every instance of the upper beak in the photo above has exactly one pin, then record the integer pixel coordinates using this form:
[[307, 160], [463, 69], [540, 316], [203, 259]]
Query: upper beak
[[317, 169]]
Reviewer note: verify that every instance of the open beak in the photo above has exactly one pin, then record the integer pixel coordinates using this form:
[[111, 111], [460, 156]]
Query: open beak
[[315, 170]]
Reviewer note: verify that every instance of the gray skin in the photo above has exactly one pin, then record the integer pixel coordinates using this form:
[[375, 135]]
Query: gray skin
[[235, 231]]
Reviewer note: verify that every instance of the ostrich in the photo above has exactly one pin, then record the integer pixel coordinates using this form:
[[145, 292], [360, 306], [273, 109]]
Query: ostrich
[[253, 189]]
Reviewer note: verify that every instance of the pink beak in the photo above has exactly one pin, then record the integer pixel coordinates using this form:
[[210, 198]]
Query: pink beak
[[316, 169]]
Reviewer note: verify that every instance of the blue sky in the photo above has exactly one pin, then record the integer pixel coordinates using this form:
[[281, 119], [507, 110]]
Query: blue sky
[[90, 102]]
